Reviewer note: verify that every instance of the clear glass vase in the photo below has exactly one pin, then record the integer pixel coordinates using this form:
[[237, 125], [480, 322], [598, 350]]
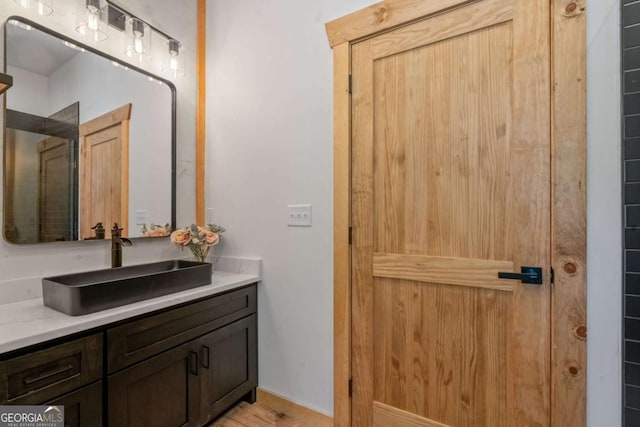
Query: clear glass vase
[[200, 253]]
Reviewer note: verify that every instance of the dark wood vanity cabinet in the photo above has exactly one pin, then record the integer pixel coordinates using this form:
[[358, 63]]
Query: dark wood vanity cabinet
[[190, 384], [179, 367]]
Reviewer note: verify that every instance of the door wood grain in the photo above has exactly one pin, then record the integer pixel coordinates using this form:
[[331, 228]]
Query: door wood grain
[[104, 183], [451, 184]]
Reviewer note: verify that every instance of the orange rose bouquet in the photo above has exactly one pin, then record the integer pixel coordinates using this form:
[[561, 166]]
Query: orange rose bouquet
[[198, 239]]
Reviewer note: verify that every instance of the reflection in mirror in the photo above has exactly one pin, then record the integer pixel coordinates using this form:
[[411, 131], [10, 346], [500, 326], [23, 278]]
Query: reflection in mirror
[[87, 140]]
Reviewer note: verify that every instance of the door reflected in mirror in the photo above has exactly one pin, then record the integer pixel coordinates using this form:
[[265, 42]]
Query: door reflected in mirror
[[88, 140]]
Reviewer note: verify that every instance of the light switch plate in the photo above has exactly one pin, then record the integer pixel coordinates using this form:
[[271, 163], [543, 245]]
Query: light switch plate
[[299, 215], [141, 217]]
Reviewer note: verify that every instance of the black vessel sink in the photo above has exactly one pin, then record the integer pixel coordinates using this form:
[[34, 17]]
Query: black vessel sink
[[91, 291]]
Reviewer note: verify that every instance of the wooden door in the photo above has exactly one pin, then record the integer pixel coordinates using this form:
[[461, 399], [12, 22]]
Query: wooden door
[[229, 366], [450, 186], [163, 391], [105, 171], [55, 168]]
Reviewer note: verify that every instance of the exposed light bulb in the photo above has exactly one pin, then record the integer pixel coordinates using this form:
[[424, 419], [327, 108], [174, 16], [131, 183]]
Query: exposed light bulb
[[138, 45], [173, 66]]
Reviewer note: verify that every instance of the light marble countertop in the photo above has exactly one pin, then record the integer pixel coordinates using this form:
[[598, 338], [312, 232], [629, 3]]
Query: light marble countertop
[[29, 322]]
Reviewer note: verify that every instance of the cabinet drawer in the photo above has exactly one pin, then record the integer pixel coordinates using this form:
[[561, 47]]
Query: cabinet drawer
[[139, 340], [45, 374]]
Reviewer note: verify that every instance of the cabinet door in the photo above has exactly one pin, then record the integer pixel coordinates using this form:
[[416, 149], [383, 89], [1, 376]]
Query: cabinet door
[[82, 408], [229, 366], [163, 391]]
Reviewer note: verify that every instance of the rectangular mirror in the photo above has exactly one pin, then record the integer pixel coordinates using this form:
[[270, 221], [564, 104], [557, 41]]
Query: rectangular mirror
[[88, 139]]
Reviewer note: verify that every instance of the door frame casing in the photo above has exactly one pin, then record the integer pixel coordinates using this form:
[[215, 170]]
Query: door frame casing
[[568, 193]]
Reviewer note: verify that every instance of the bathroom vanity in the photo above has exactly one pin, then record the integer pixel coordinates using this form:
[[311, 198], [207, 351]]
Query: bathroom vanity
[[137, 365], [171, 356]]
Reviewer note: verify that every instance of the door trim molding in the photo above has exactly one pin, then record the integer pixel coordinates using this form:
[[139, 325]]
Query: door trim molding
[[201, 109], [341, 225], [568, 192], [383, 16], [569, 213]]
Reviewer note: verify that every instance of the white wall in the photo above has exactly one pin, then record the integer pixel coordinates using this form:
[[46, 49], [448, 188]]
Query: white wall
[[269, 144], [269, 136], [25, 84], [22, 267], [604, 261]]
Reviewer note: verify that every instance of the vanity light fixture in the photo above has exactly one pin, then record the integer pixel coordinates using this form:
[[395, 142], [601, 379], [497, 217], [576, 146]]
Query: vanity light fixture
[[42, 7], [94, 15], [174, 65], [90, 22], [138, 35]]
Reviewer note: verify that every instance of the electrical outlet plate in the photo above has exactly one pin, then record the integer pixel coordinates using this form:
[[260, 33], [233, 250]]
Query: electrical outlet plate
[[299, 215]]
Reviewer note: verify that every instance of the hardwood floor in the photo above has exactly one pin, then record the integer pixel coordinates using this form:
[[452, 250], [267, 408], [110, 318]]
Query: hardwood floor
[[258, 415]]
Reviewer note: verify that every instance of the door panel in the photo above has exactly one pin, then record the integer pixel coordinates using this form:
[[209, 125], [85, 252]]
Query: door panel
[[451, 185]]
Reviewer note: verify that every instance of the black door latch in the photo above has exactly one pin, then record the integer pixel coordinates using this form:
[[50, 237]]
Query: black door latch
[[529, 275]]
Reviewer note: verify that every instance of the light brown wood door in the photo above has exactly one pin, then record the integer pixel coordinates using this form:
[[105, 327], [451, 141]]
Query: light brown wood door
[[451, 185], [105, 172]]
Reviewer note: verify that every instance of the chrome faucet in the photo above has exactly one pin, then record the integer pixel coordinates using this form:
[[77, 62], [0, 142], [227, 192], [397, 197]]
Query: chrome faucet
[[117, 243]]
